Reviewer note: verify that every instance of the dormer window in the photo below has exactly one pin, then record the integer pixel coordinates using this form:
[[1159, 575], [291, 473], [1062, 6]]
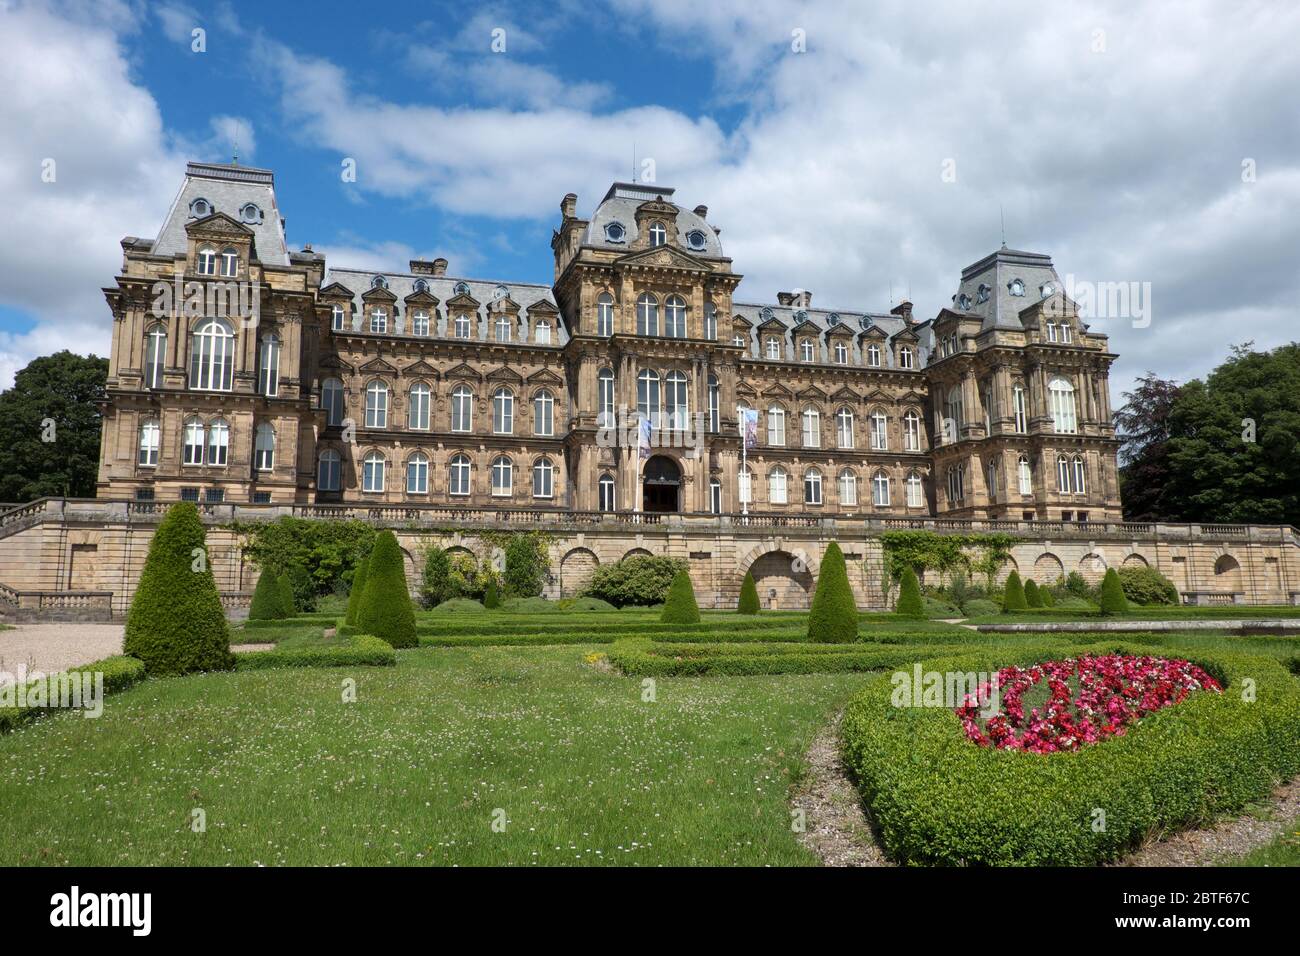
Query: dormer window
[[500, 293], [905, 357], [1016, 287], [806, 351], [250, 213], [1065, 333], [774, 348], [614, 232], [833, 319], [738, 339], [200, 208], [873, 355], [1047, 289], [982, 293], [841, 354], [420, 286], [864, 323], [658, 234], [963, 301], [461, 288], [800, 316], [339, 314], [765, 313], [229, 262], [379, 320], [462, 326], [695, 239], [379, 282], [1051, 331]]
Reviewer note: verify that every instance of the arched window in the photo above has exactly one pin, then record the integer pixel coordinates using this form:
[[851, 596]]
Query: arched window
[[777, 492], [647, 396], [377, 404], [212, 359], [420, 323], [339, 318], [1063, 474], [544, 413], [880, 490], [459, 475], [1018, 408], [372, 472], [379, 282], [807, 352], [503, 411], [647, 314], [911, 431], [914, 490], [331, 399], [155, 355], [848, 488], [715, 496], [229, 262], [207, 261], [812, 428], [841, 354], [812, 487], [675, 317], [329, 471], [264, 447], [1061, 393], [879, 431], [745, 491], [462, 326], [195, 439], [542, 332], [462, 409], [658, 234], [710, 321], [1080, 476], [844, 428], [1026, 475], [873, 355], [605, 398], [1051, 331], [606, 485], [268, 365], [417, 474], [956, 483], [503, 477], [543, 478], [676, 409], [417, 407], [715, 403], [502, 327], [218, 442], [378, 320], [773, 348], [905, 356], [605, 314], [776, 426]]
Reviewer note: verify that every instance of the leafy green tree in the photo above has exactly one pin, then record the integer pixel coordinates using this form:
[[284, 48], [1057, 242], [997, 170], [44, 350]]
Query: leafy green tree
[[50, 428], [909, 596], [176, 624], [352, 617], [639, 580], [526, 565], [320, 556], [1112, 594], [1033, 594], [834, 615], [385, 609], [749, 603], [267, 603], [1013, 597], [436, 584], [1146, 585], [679, 605], [1143, 425]]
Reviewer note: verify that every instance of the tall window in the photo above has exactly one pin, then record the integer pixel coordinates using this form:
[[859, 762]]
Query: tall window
[[991, 480], [676, 411], [647, 396], [462, 409], [1080, 476], [212, 360], [264, 447], [773, 348], [378, 320], [1065, 333], [331, 397], [848, 488], [543, 478], [880, 490], [647, 314], [339, 317], [420, 323], [1018, 406], [155, 354], [501, 327], [417, 474], [377, 405], [711, 328], [675, 317], [914, 491], [195, 438], [879, 431], [715, 496], [776, 425], [745, 491], [1063, 475], [207, 262], [954, 414], [873, 355], [905, 357], [841, 354], [417, 407], [462, 326], [503, 477], [1025, 475], [372, 472], [329, 471], [658, 234], [503, 411], [776, 486], [544, 413], [1062, 399], [605, 314], [844, 428], [812, 487], [911, 432], [542, 332], [806, 351], [715, 399], [956, 483], [268, 365], [812, 428], [229, 262], [218, 442], [605, 398], [606, 486], [459, 475]]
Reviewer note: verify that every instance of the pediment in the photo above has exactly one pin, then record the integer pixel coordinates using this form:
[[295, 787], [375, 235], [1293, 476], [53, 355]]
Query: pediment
[[543, 307], [664, 257], [875, 332], [335, 289], [656, 207], [507, 305], [907, 334], [378, 294], [813, 392], [379, 364], [504, 375], [464, 371], [773, 325], [879, 396], [807, 327], [845, 394], [463, 302], [745, 389], [1055, 306], [334, 362], [739, 321], [217, 224], [421, 298], [912, 398], [839, 331], [777, 391], [544, 377], [421, 368]]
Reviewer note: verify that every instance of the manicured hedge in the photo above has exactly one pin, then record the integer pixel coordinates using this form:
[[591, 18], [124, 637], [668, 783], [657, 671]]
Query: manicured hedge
[[645, 659], [936, 798], [1013, 595], [1113, 600], [833, 617], [358, 589], [680, 606], [385, 609], [909, 596], [119, 671], [363, 650], [267, 603], [749, 603]]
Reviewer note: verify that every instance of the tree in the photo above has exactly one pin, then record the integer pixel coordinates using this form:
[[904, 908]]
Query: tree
[[436, 583], [680, 606], [285, 588], [50, 428], [352, 616], [526, 565], [491, 599], [909, 596], [385, 609], [1014, 594], [1146, 585], [176, 624], [1143, 424], [749, 603], [267, 603], [318, 555], [834, 615], [638, 580], [1112, 594], [1033, 594]]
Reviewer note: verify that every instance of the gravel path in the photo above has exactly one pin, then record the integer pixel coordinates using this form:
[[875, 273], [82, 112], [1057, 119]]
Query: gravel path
[[50, 648]]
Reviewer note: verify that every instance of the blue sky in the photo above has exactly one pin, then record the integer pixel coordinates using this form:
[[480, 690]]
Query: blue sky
[[861, 151]]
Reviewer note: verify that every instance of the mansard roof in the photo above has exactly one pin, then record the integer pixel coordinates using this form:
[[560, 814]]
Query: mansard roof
[[228, 188], [996, 274], [760, 316], [620, 205]]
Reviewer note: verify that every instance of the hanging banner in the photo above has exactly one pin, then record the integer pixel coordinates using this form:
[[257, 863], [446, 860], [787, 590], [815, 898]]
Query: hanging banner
[[643, 438], [749, 426]]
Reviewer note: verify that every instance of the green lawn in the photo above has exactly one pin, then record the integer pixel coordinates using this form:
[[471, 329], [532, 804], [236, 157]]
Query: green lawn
[[1283, 851]]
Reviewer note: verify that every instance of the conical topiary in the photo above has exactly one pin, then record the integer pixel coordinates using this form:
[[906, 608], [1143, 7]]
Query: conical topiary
[[286, 595], [176, 624], [1013, 598], [1049, 599], [834, 615], [749, 603], [267, 604], [358, 586], [491, 596], [909, 595], [679, 605], [1033, 595], [1113, 600], [385, 610]]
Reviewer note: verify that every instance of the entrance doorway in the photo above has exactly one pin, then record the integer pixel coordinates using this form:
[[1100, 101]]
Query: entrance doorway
[[662, 485]]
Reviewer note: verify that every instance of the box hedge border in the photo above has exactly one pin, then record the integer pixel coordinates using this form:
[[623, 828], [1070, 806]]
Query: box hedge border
[[936, 798], [645, 658], [120, 672], [364, 650]]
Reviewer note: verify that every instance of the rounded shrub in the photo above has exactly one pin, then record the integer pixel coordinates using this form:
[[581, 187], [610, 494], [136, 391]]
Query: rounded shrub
[[981, 607], [176, 624], [458, 605], [285, 587], [585, 603], [1013, 598], [909, 595], [358, 587], [680, 606], [267, 603], [1049, 599], [1112, 594], [1146, 585], [1033, 594], [385, 610], [749, 603], [641, 580], [529, 605], [834, 615]]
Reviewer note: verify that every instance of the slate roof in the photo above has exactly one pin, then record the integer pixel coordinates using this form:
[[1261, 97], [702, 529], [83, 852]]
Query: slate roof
[[619, 205], [227, 188], [823, 319], [998, 271]]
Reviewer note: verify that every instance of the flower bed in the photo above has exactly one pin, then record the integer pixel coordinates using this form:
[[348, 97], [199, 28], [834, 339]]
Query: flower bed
[[1088, 699]]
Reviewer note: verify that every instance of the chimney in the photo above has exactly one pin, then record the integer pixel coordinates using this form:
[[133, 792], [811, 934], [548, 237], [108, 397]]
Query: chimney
[[423, 267], [799, 298], [702, 212], [903, 309], [569, 206]]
